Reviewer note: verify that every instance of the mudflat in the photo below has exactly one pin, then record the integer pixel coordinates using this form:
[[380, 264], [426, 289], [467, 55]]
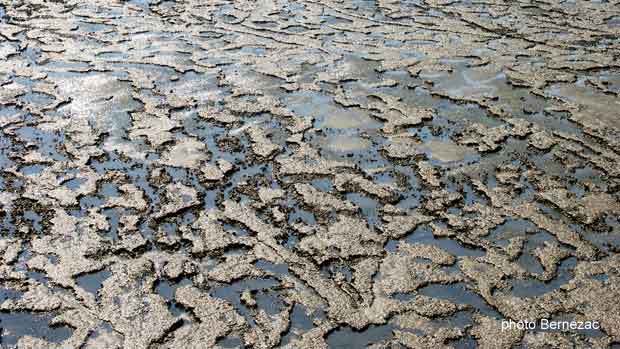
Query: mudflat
[[309, 174]]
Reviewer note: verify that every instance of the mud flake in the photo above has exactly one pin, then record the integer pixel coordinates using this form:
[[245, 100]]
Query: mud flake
[[188, 153]]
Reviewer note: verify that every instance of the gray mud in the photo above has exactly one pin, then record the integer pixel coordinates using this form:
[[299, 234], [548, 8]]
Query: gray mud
[[308, 174]]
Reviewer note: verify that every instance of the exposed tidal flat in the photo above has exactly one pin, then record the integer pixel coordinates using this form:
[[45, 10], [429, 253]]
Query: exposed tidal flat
[[309, 174]]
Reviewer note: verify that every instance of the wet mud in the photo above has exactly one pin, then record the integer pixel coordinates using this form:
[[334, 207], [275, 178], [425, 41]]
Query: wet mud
[[308, 174]]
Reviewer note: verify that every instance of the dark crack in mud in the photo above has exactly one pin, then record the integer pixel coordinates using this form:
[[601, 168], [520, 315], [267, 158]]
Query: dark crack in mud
[[308, 174]]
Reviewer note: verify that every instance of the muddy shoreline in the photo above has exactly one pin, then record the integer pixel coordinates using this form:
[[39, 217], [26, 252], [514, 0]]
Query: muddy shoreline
[[308, 174]]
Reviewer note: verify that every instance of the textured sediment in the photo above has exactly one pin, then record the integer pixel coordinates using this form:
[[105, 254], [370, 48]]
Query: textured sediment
[[308, 174]]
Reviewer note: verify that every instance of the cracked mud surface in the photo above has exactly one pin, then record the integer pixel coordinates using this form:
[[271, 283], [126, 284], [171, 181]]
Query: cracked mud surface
[[308, 174]]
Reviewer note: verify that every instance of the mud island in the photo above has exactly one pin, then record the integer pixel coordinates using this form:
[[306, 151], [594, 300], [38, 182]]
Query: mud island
[[309, 174]]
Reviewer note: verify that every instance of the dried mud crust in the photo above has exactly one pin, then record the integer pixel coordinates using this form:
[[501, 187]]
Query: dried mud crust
[[308, 174]]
